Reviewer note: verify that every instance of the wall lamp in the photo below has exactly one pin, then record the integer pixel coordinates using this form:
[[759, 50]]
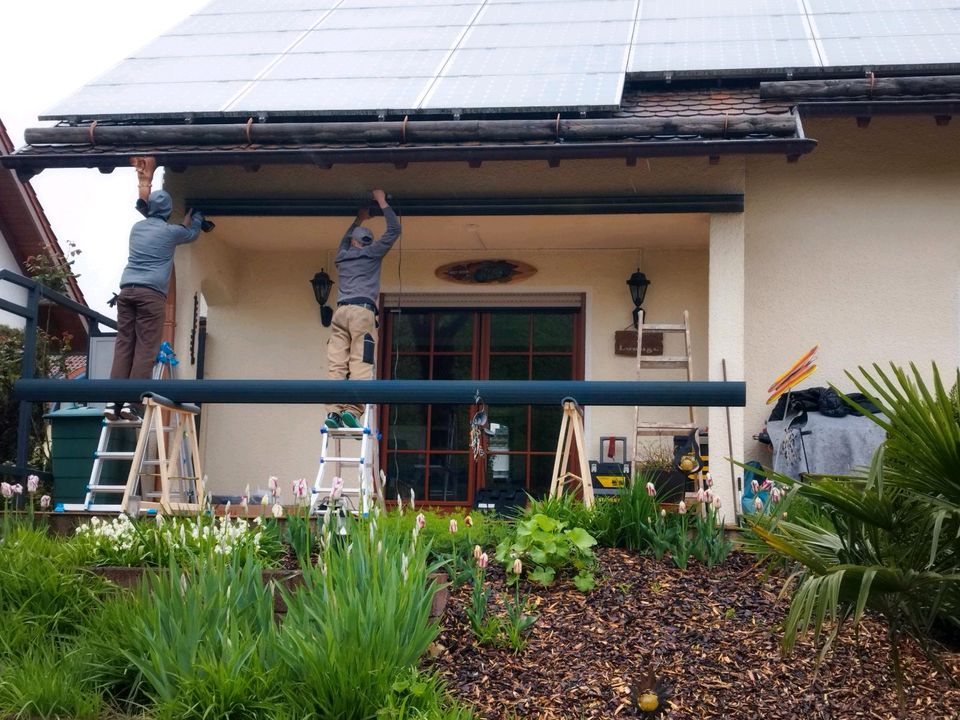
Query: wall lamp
[[322, 284], [638, 285]]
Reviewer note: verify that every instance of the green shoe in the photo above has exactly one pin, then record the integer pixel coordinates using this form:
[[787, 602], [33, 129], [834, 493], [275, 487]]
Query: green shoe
[[349, 419], [333, 421]]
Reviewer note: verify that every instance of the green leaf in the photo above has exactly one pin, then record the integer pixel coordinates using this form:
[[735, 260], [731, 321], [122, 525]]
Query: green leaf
[[543, 576], [581, 538], [584, 581]]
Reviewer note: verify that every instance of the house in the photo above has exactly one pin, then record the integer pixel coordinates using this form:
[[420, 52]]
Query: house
[[786, 172], [25, 234]]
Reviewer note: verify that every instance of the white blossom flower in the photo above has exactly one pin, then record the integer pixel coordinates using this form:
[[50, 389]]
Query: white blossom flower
[[682, 508], [44, 501], [277, 510], [413, 500], [18, 489], [33, 482], [6, 489], [421, 521], [716, 502], [651, 489], [399, 504]]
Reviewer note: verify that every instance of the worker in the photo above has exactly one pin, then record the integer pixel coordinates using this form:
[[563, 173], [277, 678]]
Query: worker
[[141, 304], [353, 338]]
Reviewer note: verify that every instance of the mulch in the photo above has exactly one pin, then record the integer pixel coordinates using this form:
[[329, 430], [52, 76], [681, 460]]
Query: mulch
[[710, 635]]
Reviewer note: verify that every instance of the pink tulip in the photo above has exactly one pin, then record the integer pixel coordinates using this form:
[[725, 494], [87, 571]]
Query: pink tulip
[[18, 489], [709, 480], [6, 489], [758, 504], [766, 484], [707, 496], [33, 482], [682, 508], [477, 552], [651, 489], [482, 561], [300, 488], [44, 502], [716, 502], [453, 526], [755, 486], [700, 495], [337, 488], [273, 484], [517, 567], [421, 521]]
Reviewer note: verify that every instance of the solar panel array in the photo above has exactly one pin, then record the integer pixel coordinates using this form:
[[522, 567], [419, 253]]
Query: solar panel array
[[247, 57]]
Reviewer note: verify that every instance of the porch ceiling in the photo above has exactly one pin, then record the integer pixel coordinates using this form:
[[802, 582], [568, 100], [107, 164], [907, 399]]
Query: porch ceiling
[[478, 232]]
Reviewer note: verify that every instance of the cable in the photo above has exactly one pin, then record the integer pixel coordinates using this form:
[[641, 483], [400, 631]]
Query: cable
[[396, 348]]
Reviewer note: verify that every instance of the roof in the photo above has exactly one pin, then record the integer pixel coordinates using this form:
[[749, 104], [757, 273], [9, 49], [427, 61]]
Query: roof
[[27, 231], [649, 122], [296, 58]]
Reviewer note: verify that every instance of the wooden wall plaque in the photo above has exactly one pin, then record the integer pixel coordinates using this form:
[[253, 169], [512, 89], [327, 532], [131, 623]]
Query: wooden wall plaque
[[625, 343], [483, 272]]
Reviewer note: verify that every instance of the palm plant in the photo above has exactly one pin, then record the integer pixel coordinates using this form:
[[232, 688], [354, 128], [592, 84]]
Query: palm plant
[[892, 543]]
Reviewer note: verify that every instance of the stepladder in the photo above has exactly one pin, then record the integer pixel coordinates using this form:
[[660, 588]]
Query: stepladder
[[349, 477], [115, 451], [178, 486], [571, 439], [645, 431]]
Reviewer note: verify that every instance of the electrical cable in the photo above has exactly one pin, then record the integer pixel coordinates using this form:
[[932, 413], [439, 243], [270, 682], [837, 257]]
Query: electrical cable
[[396, 350]]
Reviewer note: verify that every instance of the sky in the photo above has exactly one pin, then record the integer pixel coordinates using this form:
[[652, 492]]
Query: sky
[[51, 48]]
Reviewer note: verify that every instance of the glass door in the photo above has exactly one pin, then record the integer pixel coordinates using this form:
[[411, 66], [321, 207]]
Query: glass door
[[427, 447]]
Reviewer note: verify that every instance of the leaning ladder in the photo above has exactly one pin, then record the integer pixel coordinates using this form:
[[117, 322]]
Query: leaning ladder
[[360, 495]]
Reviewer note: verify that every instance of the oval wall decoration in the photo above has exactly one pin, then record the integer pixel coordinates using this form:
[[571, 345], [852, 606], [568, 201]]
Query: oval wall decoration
[[484, 272]]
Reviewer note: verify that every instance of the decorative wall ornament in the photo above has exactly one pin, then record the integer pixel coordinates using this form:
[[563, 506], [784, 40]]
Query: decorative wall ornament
[[483, 272]]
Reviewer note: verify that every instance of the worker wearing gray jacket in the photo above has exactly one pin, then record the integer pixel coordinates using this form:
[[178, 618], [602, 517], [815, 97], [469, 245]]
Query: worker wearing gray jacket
[[353, 338], [141, 304]]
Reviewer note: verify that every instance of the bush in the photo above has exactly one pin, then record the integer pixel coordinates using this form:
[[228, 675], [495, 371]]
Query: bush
[[544, 546]]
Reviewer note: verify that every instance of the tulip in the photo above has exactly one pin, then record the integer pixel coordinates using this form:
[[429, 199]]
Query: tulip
[[663, 513], [755, 486], [263, 501], [379, 547], [775, 494], [766, 484], [784, 516], [716, 502], [413, 500], [482, 561], [226, 509], [468, 521], [707, 496], [682, 508], [273, 484], [33, 482], [700, 495], [337, 488], [277, 510], [453, 526], [517, 567], [421, 521], [404, 563], [18, 489], [477, 551], [44, 501], [709, 480], [399, 504], [758, 504], [651, 489], [6, 489]]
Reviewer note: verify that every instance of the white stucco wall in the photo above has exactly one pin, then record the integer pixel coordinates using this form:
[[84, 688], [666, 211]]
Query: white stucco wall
[[857, 248], [9, 291], [270, 328]]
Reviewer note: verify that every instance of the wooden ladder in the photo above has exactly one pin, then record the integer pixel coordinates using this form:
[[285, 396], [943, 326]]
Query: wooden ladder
[[178, 462], [665, 362]]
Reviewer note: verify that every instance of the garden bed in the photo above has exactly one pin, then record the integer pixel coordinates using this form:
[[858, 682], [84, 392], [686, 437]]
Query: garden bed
[[712, 635]]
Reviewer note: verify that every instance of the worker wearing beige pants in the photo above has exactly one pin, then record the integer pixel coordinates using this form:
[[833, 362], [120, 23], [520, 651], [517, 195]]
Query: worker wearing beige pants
[[351, 348], [353, 340]]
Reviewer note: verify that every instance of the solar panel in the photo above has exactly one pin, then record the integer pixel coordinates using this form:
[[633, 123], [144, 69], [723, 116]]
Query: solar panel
[[307, 56]]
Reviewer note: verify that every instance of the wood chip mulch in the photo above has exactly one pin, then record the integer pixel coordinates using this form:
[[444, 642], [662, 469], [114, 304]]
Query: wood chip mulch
[[712, 637]]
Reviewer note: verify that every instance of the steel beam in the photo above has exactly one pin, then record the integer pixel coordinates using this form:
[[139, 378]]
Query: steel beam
[[306, 392]]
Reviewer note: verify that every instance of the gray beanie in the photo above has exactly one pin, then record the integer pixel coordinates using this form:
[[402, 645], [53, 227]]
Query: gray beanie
[[159, 204], [362, 235]]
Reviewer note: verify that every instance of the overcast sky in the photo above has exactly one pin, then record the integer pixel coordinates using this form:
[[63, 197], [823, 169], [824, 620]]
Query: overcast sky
[[50, 48]]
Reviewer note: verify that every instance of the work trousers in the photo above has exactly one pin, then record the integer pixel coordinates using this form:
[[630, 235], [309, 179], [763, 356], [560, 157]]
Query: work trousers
[[351, 349], [140, 314]]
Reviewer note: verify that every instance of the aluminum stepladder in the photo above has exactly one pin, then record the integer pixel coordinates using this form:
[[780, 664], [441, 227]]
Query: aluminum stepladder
[[165, 367], [360, 496]]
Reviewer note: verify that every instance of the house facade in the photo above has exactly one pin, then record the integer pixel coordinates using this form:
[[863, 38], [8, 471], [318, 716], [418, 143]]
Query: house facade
[[782, 208]]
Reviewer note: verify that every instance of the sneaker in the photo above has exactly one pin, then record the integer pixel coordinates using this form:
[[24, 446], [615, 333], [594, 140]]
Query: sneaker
[[333, 421], [350, 420], [127, 412], [111, 413]]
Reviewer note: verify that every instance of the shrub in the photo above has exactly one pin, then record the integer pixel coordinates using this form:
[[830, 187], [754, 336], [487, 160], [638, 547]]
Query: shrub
[[546, 545]]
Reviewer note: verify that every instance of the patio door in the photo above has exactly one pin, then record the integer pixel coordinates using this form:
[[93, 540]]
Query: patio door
[[427, 447]]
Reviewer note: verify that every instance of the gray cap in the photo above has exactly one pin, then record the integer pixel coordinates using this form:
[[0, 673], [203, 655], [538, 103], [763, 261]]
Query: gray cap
[[159, 204], [362, 235]]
